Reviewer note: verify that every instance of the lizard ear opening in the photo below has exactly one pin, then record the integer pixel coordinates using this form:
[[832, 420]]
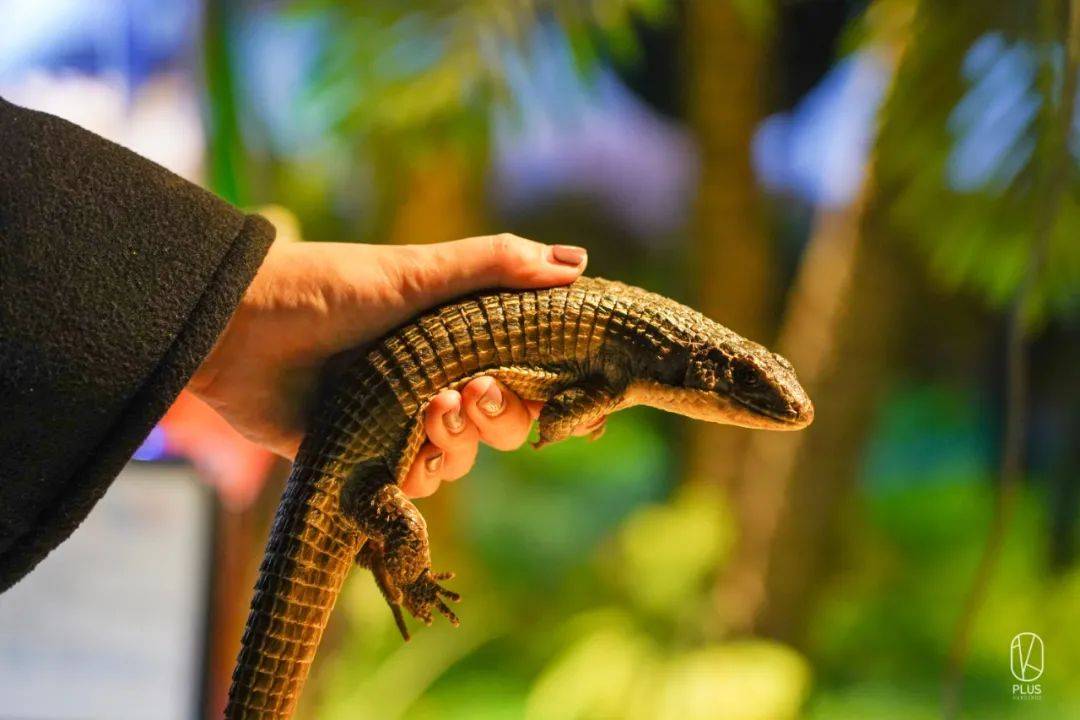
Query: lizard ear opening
[[707, 369]]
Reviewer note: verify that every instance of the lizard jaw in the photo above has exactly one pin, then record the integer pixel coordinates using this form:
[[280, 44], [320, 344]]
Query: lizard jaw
[[710, 406]]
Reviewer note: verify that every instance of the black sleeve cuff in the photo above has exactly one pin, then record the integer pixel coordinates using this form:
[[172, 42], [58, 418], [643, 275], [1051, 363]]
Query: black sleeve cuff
[[116, 277]]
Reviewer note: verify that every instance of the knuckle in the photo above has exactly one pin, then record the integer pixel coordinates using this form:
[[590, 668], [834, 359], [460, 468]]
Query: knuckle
[[502, 245], [507, 250], [471, 393]]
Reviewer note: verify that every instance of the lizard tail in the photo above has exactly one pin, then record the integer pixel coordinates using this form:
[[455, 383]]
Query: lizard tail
[[308, 555]]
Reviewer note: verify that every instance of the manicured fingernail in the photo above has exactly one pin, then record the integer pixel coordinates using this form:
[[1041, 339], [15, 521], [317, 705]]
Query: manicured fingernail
[[433, 463], [491, 402], [453, 421], [568, 254]]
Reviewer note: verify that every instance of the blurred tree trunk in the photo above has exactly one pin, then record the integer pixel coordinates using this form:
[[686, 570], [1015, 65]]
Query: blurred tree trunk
[[845, 318], [732, 254], [808, 338], [848, 321], [440, 199]]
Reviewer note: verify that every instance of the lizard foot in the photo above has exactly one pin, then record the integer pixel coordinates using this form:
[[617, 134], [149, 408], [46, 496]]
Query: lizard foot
[[425, 594], [420, 597], [579, 409], [593, 432]]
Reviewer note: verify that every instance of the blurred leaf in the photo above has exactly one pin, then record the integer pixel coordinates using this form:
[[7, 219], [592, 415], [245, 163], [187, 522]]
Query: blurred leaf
[[747, 680], [536, 515], [667, 553], [488, 696], [969, 147], [613, 670], [881, 702], [594, 676], [408, 69], [929, 433]]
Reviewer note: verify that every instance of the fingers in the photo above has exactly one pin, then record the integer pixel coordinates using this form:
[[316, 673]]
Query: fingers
[[500, 416], [450, 450], [455, 423], [443, 271], [425, 475], [534, 407], [449, 430]]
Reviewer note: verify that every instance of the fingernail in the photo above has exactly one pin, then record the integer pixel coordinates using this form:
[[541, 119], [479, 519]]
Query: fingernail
[[568, 254], [453, 421], [433, 463], [491, 402]]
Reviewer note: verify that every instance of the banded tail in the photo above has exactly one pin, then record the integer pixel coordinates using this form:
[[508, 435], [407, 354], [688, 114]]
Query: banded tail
[[308, 556]]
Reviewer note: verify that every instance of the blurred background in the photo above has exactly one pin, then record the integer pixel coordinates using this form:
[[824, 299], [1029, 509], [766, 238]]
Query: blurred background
[[886, 191]]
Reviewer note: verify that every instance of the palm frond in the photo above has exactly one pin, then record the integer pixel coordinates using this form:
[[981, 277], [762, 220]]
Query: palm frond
[[968, 147]]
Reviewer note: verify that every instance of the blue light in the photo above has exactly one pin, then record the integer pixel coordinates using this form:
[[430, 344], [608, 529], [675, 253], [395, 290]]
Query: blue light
[[818, 151], [991, 124], [153, 447]]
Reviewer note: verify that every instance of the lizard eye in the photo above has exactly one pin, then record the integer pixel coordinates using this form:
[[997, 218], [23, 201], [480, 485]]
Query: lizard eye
[[717, 359], [746, 375]]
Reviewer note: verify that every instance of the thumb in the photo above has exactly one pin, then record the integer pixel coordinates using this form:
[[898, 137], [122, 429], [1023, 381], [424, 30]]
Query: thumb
[[447, 270]]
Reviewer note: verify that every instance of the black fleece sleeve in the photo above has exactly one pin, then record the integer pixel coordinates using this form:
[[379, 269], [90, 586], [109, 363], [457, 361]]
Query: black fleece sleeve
[[116, 277]]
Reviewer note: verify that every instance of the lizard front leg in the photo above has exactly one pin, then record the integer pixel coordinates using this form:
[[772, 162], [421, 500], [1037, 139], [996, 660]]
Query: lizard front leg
[[396, 550], [583, 405]]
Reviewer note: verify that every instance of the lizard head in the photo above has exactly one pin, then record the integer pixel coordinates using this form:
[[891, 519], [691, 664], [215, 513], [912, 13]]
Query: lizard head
[[690, 365], [739, 382]]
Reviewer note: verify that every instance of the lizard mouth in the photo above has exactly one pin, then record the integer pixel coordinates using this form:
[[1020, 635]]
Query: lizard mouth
[[735, 411], [798, 417], [711, 407]]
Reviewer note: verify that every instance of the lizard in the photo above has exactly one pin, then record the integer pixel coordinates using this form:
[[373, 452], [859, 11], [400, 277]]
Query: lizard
[[586, 350]]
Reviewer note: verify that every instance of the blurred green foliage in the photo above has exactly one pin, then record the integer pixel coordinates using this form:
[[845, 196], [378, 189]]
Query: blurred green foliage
[[421, 71], [400, 81], [881, 639], [587, 572], [607, 625], [973, 160]]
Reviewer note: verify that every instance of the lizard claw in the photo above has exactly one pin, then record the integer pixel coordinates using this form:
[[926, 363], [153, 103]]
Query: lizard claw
[[596, 431], [419, 597], [448, 613], [424, 594], [399, 620]]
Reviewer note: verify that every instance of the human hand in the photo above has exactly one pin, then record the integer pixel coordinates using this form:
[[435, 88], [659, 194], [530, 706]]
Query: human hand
[[310, 301]]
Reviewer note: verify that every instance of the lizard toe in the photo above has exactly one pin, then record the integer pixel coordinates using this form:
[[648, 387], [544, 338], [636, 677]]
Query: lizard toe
[[425, 594]]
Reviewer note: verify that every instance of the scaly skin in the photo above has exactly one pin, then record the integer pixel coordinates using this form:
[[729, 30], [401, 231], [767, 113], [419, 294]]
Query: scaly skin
[[586, 350]]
